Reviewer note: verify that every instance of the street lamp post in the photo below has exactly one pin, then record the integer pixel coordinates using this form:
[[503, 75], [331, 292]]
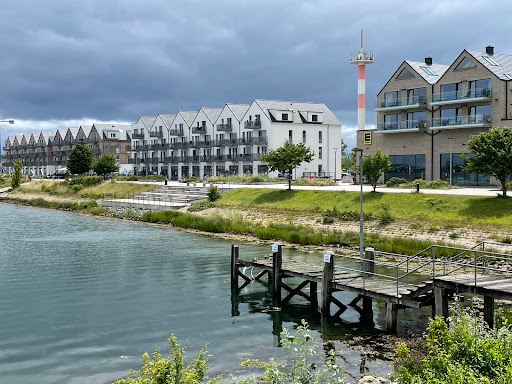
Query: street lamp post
[[335, 151], [451, 161]]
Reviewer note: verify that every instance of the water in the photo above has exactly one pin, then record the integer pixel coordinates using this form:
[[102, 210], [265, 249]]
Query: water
[[82, 298]]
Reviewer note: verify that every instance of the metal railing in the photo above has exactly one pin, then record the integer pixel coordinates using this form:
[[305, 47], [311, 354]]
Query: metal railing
[[480, 120], [411, 101], [462, 96]]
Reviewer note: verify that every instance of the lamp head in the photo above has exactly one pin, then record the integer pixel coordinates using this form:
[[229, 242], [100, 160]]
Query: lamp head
[[11, 121]]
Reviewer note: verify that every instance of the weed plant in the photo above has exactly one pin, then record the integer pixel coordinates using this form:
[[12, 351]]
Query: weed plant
[[319, 182], [246, 179]]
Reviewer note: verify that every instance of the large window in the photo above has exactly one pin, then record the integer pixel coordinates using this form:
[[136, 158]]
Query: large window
[[451, 116], [451, 91], [392, 121], [417, 119], [409, 167], [417, 95], [480, 88], [458, 176], [392, 99]]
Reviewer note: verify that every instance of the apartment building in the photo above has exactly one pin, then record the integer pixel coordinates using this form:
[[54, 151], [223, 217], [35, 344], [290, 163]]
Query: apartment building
[[427, 112], [230, 140], [46, 153]]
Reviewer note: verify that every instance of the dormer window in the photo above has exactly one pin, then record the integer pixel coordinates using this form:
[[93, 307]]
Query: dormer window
[[285, 117], [314, 118]]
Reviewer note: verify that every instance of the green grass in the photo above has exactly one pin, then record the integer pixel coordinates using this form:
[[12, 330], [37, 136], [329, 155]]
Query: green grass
[[428, 208], [59, 188], [5, 182]]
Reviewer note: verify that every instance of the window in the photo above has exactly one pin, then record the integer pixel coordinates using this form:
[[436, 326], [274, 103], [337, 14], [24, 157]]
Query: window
[[429, 71], [405, 74], [290, 136], [409, 167], [465, 64], [256, 117], [480, 88], [392, 99], [320, 137], [417, 96], [319, 153], [392, 121], [417, 119], [491, 61], [314, 118], [452, 91], [229, 120], [303, 136], [285, 117], [458, 176]]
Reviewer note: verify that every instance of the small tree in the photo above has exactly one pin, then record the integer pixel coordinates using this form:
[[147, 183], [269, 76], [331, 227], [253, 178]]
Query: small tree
[[213, 193], [16, 176], [493, 154], [287, 157], [105, 165], [80, 160], [374, 166]]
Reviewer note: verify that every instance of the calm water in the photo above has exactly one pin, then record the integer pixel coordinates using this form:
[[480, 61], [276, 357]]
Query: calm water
[[82, 298]]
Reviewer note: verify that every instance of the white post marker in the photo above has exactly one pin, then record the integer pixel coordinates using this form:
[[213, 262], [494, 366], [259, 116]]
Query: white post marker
[[275, 246], [327, 256]]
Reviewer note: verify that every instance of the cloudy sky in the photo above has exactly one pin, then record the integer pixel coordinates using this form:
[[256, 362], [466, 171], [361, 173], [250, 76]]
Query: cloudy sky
[[69, 62]]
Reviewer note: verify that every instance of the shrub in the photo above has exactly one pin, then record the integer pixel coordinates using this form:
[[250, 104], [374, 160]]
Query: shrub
[[463, 351], [395, 181], [314, 182], [385, 217], [454, 235], [200, 206], [213, 193], [192, 179], [347, 215], [173, 369], [85, 181], [327, 220]]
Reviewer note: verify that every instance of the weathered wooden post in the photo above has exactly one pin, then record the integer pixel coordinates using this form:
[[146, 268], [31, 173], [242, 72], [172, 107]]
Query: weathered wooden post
[[369, 263], [277, 262], [440, 302], [327, 276], [234, 265], [313, 294], [489, 311], [391, 316]]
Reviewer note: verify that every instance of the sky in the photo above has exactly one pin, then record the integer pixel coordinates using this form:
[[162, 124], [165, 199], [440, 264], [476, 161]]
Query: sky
[[69, 62]]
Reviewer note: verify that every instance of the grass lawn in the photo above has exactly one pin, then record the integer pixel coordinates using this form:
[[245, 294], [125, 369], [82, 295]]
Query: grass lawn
[[59, 188], [434, 209]]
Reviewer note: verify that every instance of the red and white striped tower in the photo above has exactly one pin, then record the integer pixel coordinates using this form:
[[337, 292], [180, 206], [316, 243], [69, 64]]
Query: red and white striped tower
[[362, 58]]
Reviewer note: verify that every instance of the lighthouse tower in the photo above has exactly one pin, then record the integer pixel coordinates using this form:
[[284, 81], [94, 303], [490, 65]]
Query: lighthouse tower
[[361, 59]]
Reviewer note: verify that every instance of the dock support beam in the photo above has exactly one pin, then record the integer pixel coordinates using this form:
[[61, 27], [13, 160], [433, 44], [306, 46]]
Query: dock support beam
[[441, 302], [489, 311], [234, 265], [327, 276], [391, 317], [313, 294], [277, 262], [367, 315]]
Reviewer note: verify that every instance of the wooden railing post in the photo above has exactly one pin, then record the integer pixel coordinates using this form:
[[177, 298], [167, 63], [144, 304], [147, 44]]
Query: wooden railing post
[[277, 262], [369, 266], [234, 265], [327, 277]]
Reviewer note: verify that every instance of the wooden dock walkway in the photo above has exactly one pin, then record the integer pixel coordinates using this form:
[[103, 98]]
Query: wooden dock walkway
[[432, 290]]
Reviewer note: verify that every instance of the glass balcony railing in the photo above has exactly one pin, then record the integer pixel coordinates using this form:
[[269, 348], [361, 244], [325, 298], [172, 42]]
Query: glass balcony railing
[[404, 102], [402, 125], [462, 121], [224, 127], [249, 124], [456, 96]]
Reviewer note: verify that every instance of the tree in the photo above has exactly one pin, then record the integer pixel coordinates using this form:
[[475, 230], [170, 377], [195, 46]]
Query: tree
[[493, 154], [16, 176], [80, 160], [287, 157], [105, 165], [374, 166]]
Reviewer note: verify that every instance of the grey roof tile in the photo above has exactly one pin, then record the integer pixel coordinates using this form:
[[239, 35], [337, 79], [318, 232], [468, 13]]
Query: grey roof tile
[[439, 69], [212, 113], [328, 116], [238, 110], [188, 116], [504, 61], [148, 121]]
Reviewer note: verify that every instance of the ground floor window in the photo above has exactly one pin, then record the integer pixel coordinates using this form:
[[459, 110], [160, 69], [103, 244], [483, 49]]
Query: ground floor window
[[184, 172], [195, 171], [458, 176], [247, 169], [409, 167], [174, 173], [207, 171], [262, 168], [233, 169], [220, 170]]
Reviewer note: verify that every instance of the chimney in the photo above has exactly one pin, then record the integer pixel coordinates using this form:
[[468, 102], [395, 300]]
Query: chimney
[[489, 50], [428, 60]]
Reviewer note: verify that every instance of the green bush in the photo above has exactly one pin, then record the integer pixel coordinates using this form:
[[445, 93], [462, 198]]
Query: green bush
[[463, 351], [137, 178], [435, 184], [348, 215], [213, 193], [171, 370], [385, 216], [192, 179], [395, 181], [319, 182], [200, 206], [85, 181]]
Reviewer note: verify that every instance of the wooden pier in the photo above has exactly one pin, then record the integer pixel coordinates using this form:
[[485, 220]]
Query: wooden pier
[[368, 284]]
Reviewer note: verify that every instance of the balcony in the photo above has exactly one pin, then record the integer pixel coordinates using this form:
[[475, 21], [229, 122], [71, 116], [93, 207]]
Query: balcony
[[470, 121], [131, 161], [226, 143], [259, 140], [137, 135], [401, 103], [461, 97], [96, 151], [152, 160], [201, 130], [224, 127], [249, 124], [402, 126], [176, 132], [160, 135], [184, 145]]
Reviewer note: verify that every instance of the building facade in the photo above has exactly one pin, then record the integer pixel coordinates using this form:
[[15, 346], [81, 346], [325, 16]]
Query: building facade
[[231, 140], [427, 112], [46, 153]]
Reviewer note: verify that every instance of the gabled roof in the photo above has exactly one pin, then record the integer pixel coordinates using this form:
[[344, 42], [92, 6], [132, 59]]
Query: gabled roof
[[328, 116], [10, 140], [32, 138], [188, 116], [167, 119], [212, 113], [238, 110], [112, 127], [148, 121], [47, 136], [74, 132], [86, 129], [504, 61], [62, 133], [438, 69]]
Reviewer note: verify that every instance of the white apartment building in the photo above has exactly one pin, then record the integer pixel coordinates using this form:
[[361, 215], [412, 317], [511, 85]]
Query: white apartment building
[[230, 140]]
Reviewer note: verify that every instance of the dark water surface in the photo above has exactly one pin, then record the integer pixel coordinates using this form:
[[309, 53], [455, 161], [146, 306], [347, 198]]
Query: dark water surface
[[82, 298]]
